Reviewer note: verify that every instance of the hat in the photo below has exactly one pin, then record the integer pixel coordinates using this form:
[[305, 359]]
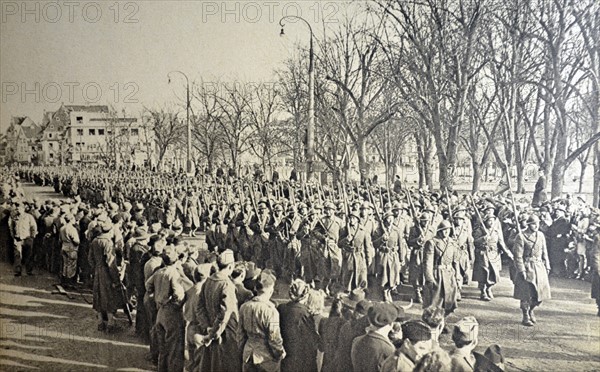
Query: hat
[[354, 214], [382, 314], [226, 257], [396, 206], [489, 217], [139, 206], [298, 290], [388, 214], [262, 206], [465, 330], [488, 206], [329, 205], [354, 297], [278, 207], [252, 272], [444, 225], [416, 330], [494, 354], [140, 234], [533, 219], [365, 205], [363, 306]]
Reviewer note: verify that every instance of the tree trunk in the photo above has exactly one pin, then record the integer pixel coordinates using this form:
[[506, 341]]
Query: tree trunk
[[596, 191], [428, 166], [477, 173], [582, 174], [363, 166]]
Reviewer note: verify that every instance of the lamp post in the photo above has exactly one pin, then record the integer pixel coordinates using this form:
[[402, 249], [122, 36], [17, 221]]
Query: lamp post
[[310, 130], [189, 128]]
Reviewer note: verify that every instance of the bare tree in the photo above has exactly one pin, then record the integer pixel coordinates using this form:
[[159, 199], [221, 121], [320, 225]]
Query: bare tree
[[169, 130]]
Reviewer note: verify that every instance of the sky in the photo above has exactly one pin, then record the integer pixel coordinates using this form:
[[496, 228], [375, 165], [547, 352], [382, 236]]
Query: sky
[[120, 52]]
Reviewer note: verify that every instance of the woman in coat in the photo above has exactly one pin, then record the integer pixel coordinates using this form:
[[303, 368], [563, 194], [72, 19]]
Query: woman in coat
[[300, 338], [532, 267]]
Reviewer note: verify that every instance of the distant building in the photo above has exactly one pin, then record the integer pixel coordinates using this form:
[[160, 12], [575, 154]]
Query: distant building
[[22, 144]]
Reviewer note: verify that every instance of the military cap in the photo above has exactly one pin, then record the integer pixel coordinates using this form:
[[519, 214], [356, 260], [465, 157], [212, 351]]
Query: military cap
[[465, 330], [329, 205], [488, 206], [396, 206], [226, 257], [302, 205], [252, 271], [139, 207], [355, 203], [382, 314], [444, 225], [489, 217], [355, 215], [365, 205], [533, 219], [388, 214], [278, 207]]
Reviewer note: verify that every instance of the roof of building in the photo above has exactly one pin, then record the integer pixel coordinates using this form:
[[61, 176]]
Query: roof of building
[[90, 108]]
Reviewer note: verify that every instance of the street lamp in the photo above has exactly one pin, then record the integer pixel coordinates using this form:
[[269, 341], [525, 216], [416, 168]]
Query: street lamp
[[310, 130], [189, 128]]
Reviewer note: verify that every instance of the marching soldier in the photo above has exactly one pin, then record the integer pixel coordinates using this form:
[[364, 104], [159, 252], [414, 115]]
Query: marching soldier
[[354, 244], [465, 251], [389, 247], [328, 255], [441, 269], [533, 265], [488, 263], [419, 235]]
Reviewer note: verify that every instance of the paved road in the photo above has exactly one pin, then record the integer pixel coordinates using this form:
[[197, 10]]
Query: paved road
[[50, 332]]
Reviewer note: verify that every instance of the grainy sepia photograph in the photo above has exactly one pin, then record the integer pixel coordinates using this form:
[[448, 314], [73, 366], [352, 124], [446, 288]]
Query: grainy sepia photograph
[[300, 186]]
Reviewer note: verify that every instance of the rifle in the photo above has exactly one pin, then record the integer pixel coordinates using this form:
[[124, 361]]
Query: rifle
[[479, 216], [413, 212], [127, 307], [450, 217], [377, 214]]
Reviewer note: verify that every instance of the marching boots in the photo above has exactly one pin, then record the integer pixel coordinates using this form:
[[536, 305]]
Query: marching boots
[[526, 320], [484, 296], [418, 296], [531, 315], [488, 291]]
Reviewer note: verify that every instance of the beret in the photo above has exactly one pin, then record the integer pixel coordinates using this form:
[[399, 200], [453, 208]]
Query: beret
[[382, 314], [416, 330]]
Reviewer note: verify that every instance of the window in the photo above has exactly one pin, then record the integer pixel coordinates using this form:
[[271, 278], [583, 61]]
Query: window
[[80, 120], [135, 132], [49, 135], [80, 132], [51, 156], [124, 131], [100, 132], [51, 145], [92, 132]]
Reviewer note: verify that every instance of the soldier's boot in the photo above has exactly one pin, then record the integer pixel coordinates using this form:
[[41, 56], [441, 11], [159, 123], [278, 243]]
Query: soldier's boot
[[483, 296], [418, 295], [532, 315], [526, 319], [488, 291]]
